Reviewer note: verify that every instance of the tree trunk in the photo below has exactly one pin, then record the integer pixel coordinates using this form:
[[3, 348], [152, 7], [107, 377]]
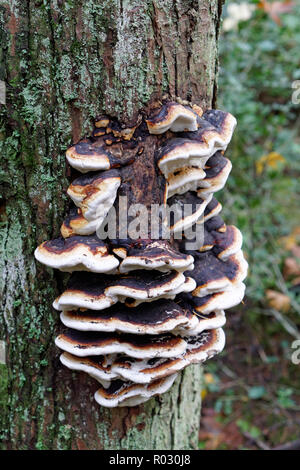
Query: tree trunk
[[63, 63]]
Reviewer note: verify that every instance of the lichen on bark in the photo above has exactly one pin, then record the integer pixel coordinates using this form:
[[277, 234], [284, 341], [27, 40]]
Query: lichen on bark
[[65, 62]]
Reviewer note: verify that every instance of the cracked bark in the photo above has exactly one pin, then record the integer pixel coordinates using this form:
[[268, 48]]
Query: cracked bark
[[64, 62]]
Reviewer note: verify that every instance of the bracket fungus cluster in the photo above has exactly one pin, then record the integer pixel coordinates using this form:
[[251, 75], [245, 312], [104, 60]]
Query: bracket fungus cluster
[[137, 311]]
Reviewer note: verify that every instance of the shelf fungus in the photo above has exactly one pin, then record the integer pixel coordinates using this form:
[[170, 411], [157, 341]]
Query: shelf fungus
[[152, 264]]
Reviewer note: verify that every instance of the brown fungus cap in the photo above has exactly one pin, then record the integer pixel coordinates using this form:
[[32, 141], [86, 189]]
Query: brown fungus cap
[[76, 224], [212, 209], [90, 156], [122, 393], [188, 209], [210, 179], [223, 244], [212, 274], [184, 180], [215, 128], [160, 316], [179, 153], [173, 116], [155, 254], [77, 253], [215, 223], [82, 344], [218, 300], [193, 149], [91, 190], [97, 292], [199, 348], [98, 367], [143, 371], [217, 170]]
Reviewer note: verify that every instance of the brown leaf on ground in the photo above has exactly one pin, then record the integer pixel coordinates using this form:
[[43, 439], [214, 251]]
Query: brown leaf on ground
[[215, 433], [274, 9], [290, 242], [278, 301], [296, 281], [291, 268], [296, 251]]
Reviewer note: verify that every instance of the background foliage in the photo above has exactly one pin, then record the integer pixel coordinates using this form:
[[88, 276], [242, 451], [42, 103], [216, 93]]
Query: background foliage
[[254, 387]]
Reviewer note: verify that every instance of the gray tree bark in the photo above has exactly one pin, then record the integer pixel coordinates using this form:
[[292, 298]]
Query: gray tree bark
[[63, 63]]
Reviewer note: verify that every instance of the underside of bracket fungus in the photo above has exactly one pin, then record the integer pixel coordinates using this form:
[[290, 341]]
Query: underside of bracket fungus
[[137, 310]]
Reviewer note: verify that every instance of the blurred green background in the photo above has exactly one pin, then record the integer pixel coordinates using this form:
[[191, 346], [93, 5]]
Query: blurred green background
[[252, 392]]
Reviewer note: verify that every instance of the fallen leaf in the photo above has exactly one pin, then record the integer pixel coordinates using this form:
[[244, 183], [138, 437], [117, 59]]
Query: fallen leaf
[[270, 160], [215, 433], [290, 242], [296, 251], [296, 281], [278, 301], [274, 9], [209, 378]]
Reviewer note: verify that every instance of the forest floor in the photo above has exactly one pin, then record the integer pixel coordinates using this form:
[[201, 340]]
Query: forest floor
[[251, 398]]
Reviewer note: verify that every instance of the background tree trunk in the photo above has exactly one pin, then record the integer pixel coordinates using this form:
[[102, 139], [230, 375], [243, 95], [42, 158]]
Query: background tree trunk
[[63, 63]]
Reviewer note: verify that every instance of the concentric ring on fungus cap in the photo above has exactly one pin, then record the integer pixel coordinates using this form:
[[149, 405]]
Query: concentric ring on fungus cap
[[76, 224], [82, 343], [219, 300], [193, 149], [186, 210], [212, 209], [209, 179], [77, 253], [94, 189], [214, 275], [161, 316], [155, 254], [216, 174], [90, 156], [97, 292], [184, 180], [178, 153], [121, 393], [173, 116]]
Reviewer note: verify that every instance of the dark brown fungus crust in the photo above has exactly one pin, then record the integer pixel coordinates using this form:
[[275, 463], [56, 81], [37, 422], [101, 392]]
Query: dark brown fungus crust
[[92, 190], [155, 254], [162, 316], [132, 319], [214, 275], [122, 393], [96, 292], [76, 224], [140, 346], [186, 210], [121, 367], [214, 133]]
